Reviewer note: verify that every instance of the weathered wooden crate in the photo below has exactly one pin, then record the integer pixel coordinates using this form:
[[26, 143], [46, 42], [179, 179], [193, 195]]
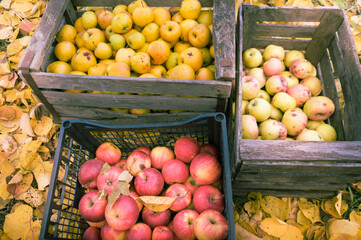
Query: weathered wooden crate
[[49, 88], [302, 168]]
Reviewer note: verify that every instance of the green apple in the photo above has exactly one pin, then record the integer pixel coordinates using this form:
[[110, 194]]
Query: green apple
[[309, 135], [151, 32], [327, 132], [117, 41], [252, 58], [135, 40], [205, 17], [172, 60], [291, 56], [273, 130], [290, 78], [244, 106], [276, 114], [263, 94], [313, 124], [283, 101], [273, 51], [259, 108], [207, 58]]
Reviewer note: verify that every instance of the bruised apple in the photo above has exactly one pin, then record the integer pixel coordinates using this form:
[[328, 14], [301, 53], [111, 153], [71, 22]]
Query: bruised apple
[[108, 152], [319, 108]]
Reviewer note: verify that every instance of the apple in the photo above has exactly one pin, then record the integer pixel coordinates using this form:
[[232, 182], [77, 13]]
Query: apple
[[142, 16], [66, 33], [135, 196], [205, 17], [105, 18], [97, 224], [143, 149], [154, 219], [191, 56], [186, 148], [273, 51], [92, 206], [64, 50], [313, 124], [190, 9], [175, 171], [284, 101], [295, 121], [258, 72], [140, 231], [162, 233], [209, 148], [108, 152], [103, 51], [251, 86], [252, 58], [170, 31], [91, 233], [138, 161], [151, 32], [89, 20], [119, 69], [191, 184], [299, 92], [135, 4], [108, 233], [122, 164], [290, 78], [199, 36], [135, 40], [327, 132], [207, 58], [181, 193], [117, 41], [149, 182], [319, 108], [183, 224], [158, 51], [123, 214], [99, 70], [309, 135], [276, 84], [244, 106], [92, 37], [108, 32], [208, 197], [109, 180], [314, 84], [177, 17], [272, 66], [259, 108], [276, 114], [186, 25], [82, 60], [264, 95], [160, 155], [301, 68], [210, 224], [88, 173], [161, 15], [181, 71], [205, 168], [122, 23], [140, 62], [124, 55], [273, 130], [249, 127], [291, 56]]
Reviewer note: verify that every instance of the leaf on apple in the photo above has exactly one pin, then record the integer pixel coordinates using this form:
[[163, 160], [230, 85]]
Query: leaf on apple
[[273, 227], [157, 203], [16, 223], [310, 211], [102, 194], [123, 189], [125, 176], [32, 196], [18, 188], [275, 207], [105, 168]]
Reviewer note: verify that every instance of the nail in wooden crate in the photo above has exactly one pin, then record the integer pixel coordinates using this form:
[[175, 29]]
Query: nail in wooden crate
[[193, 96], [301, 168]]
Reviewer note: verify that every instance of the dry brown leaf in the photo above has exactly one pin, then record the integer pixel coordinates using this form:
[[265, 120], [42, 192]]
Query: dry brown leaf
[[42, 174], [26, 26], [6, 33], [18, 188], [9, 145], [15, 122], [43, 127], [16, 178], [17, 222], [7, 113], [32, 196], [123, 189], [157, 203], [8, 81]]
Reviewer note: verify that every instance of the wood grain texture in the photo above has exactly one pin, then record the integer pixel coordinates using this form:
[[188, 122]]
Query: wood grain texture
[[152, 3], [287, 44], [302, 186], [283, 30], [238, 191]]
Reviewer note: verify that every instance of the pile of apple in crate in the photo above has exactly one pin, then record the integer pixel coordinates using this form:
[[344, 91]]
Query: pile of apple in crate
[[280, 100], [154, 193], [138, 41]]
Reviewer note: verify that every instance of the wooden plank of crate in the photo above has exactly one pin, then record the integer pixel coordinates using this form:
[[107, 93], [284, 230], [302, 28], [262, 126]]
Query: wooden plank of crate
[[325, 32], [131, 101], [247, 25], [294, 186], [352, 83], [224, 39], [287, 44], [329, 89], [222, 89], [305, 150], [70, 14], [283, 30], [151, 3], [238, 191], [336, 57]]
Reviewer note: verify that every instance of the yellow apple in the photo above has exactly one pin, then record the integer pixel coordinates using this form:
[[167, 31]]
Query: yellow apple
[[314, 84], [181, 46], [118, 69], [79, 39], [83, 60], [327, 132], [170, 31], [124, 55], [143, 15], [309, 135], [206, 18], [147, 75], [119, 8], [117, 41], [181, 71], [313, 124], [135, 4], [276, 114], [291, 56], [140, 62], [92, 37], [273, 51], [199, 36], [66, 33], [207, 58], [177, 18], [161, 15], [135, 40], [89, 20], [77, 73], [211, 51], [99, 69], [158, 71], [105, 18], [290, 78], [249, 127], [251, 57], [158, 51], [172, 60], [126, 35], [103, 51], [186, 25], [59, 67], [107, 61], [144, 48], [151, 32], [191, 56], [78, 25], [190, 9], [283, 101], [122, 23], [204, 74], [212, 68], [64, 51]]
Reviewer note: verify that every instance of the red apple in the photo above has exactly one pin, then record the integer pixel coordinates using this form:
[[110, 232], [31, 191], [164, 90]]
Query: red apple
[[149, 182], [208, 197], [122, 164], [123, 214], [135, 196], [191, 184], [160, 156], [140, 231], [183, 224], [108, 152], [186, 148], [143, 149], [182, 194], [109, 180], [91, 233], [205, 168], [272, 66], [175, 171], [138, 161], [88, 173], [170, 226], [211, 224], [108, 233], [162, 233], [209, 148], [154, 219], [92, 206]]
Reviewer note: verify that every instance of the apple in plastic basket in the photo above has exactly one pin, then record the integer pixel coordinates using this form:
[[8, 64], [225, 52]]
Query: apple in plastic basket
[[88, 173], [182, 194], [108, 180], [183, 224], [108, 152], [205, 168], [92, 206], [160, 156], [175, 171], [138, 161], [186, 148], [154, 219], [140, 231], [208, 197], [211, 224], [149, 182]]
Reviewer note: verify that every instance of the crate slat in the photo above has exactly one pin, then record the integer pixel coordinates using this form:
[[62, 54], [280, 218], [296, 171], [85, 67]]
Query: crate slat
[[254, 186], [237, 191], [152, 3], [295, 44], [283, 30]]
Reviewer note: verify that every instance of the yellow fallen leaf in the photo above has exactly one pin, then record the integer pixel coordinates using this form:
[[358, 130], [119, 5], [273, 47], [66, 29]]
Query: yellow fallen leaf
[[273, 227], [15, 122], [14, 47], [16, 178], [256, 218], [311, 231], [5, 68], [292, 233], [248, 227], [14, 35], [3, 204], [4, 194], [28, 152], [32, 196], [157, 203], [338, 203], [8, 80], [32, 232], [25, 125], [17, 57], [7, 113], [9, 145], [42, 174], [328, 206], [310, 211], [17, 222], [275, 207], [24, 41], [23, 6], [6, 32], [342, 236], [355, 217], [242, 233], [6, 168], [18, 188], [343, 226], [301, 219], [5, 4], [43, 127]]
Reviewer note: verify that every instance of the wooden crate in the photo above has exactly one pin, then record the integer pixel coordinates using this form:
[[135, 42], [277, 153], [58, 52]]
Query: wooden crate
[[295, 168], [211, 96]]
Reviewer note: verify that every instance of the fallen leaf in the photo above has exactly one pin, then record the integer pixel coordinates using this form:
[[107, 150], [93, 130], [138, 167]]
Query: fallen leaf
[[16, 178], [43, 127], [8, 81], [6, 168], [122, 189], [26, 27], [157, 203], [14, 47], [32, 232], [5, 4], [338, 203], [105, 168], [17, 221], [275, 207], [18, 188], [355, 217], [9, 145], [7, 113], [5, 68], [4, 194], [301, 219], [248, 227], [28, 152], [23, 6], [25, 125], [42, 174], [14, 35], [273, 227], [242, 233], [310, 211], [17, 57], [15, 122], [343, 236], [6, 33], [343, 226], [125, 176], [292, 233], [330, 208], [32, 196]]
